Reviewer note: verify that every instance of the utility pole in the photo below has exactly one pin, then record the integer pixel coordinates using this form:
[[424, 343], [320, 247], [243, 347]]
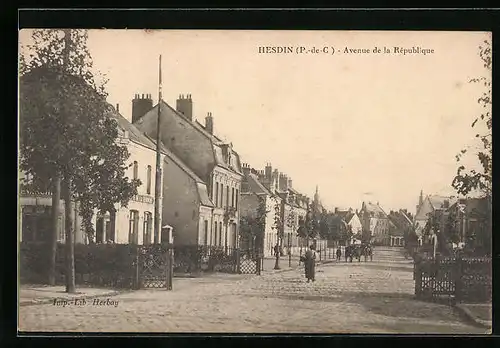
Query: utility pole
[[158, 163], [69, 227]]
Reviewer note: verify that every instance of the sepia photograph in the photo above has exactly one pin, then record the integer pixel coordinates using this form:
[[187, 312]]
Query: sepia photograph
[[254, 181]]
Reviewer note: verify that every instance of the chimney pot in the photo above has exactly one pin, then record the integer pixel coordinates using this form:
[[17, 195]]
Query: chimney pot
[[140, 106], [185, 107], [209, 123], [118, 107]]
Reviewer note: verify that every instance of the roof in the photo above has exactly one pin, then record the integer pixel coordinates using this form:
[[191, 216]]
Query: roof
[[177, 161], [375, 208], [437, 201], [133, 132], [255, 185], [203, 195], [216, 142]]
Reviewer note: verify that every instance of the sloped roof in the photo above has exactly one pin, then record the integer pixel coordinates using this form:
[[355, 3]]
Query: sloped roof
[[133, 132], [255, 185], [349, 216], [216, 142], [437, 201], [203, 195], [375, 208], [177, 161]]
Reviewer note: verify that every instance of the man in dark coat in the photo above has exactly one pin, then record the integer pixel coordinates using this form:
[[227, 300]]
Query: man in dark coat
[[310, 263]]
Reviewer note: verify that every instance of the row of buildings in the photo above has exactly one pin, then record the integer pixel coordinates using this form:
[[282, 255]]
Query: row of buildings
[[206, 190]]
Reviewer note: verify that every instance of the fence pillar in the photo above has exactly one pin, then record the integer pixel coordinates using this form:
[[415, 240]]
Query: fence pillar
[[169, 266], [238, 258], [417, 275], [458, 279], [137, 275]]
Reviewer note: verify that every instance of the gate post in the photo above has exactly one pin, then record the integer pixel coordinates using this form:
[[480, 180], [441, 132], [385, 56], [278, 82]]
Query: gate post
[[458, 278], [169, 266], [238, 260], [258, 265], [417, 275], [137, 276]]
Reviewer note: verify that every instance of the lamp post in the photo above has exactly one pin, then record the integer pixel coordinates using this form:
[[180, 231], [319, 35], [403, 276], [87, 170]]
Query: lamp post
[[289, 251]]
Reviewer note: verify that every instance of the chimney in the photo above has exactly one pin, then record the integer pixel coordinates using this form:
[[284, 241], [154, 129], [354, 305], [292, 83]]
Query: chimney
[[275, 179], [290, 183], [283, 182], [209, 123], [185, 106], [336, 210], [246, 169], [268, 171], [118, 108], [140, 106]]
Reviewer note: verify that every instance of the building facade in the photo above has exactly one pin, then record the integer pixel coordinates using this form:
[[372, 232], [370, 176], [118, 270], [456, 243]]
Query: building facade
[[376, 224], [426, 207], [132, 224], [212, 160]]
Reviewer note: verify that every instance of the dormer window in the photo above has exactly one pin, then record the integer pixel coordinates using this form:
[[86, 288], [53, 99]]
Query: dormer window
[[227, 152]]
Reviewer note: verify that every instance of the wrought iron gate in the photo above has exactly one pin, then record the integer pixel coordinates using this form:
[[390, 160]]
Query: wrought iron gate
[[249, 261], [154, 266]]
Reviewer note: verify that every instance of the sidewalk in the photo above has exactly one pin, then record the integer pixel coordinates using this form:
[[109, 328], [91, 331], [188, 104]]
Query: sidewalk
[[284, 263], [41, 294], [479, 313]]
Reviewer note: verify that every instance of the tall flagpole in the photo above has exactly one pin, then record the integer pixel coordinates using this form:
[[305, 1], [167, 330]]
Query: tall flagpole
[[158, 165]]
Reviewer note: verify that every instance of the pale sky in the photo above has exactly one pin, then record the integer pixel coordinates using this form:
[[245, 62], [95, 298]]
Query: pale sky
[[376, 127]]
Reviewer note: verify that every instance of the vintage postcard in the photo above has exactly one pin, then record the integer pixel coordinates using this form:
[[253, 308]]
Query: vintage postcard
[[197, 181]]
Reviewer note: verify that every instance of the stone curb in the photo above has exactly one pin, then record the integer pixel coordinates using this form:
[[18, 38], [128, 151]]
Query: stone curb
[[35, 302], [470, 317]]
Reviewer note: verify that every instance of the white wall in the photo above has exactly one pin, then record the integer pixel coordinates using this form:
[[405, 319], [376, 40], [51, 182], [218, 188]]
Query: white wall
[[144, 157]]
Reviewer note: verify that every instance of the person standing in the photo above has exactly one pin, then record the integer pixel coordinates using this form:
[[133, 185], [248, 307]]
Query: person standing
[[339, 254], [310, 263]]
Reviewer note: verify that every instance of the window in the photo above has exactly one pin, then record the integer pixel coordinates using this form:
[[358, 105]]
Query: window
[[236, 199], [136, 170], [220, 233], [221, 195], [232, 197], [215, 233], [148, 181], [210, 186], [133, 226], [148, 222], [216, 194], [227, 196], [206, 232]]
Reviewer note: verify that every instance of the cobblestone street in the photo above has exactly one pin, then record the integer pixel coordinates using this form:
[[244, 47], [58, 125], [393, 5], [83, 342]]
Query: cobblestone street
[[364, 297]]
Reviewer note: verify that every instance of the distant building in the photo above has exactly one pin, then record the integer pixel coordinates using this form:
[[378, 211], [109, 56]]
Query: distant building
[[252, 192], [426, 207], [402, 225], [351, 218], [283, 202], [376, 224]]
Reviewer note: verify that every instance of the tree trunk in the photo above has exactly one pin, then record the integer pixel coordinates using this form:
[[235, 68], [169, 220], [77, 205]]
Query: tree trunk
[[112, 225], [56, 199], [70, 240]]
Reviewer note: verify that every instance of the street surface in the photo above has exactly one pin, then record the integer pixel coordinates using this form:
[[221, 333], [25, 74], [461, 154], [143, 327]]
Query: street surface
[[357, 297]]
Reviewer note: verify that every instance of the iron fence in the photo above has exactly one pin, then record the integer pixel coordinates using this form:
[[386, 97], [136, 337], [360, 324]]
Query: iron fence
[[457, 279]]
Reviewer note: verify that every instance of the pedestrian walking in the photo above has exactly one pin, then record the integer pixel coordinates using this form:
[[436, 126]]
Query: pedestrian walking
[[339, 253], [310, 263]]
